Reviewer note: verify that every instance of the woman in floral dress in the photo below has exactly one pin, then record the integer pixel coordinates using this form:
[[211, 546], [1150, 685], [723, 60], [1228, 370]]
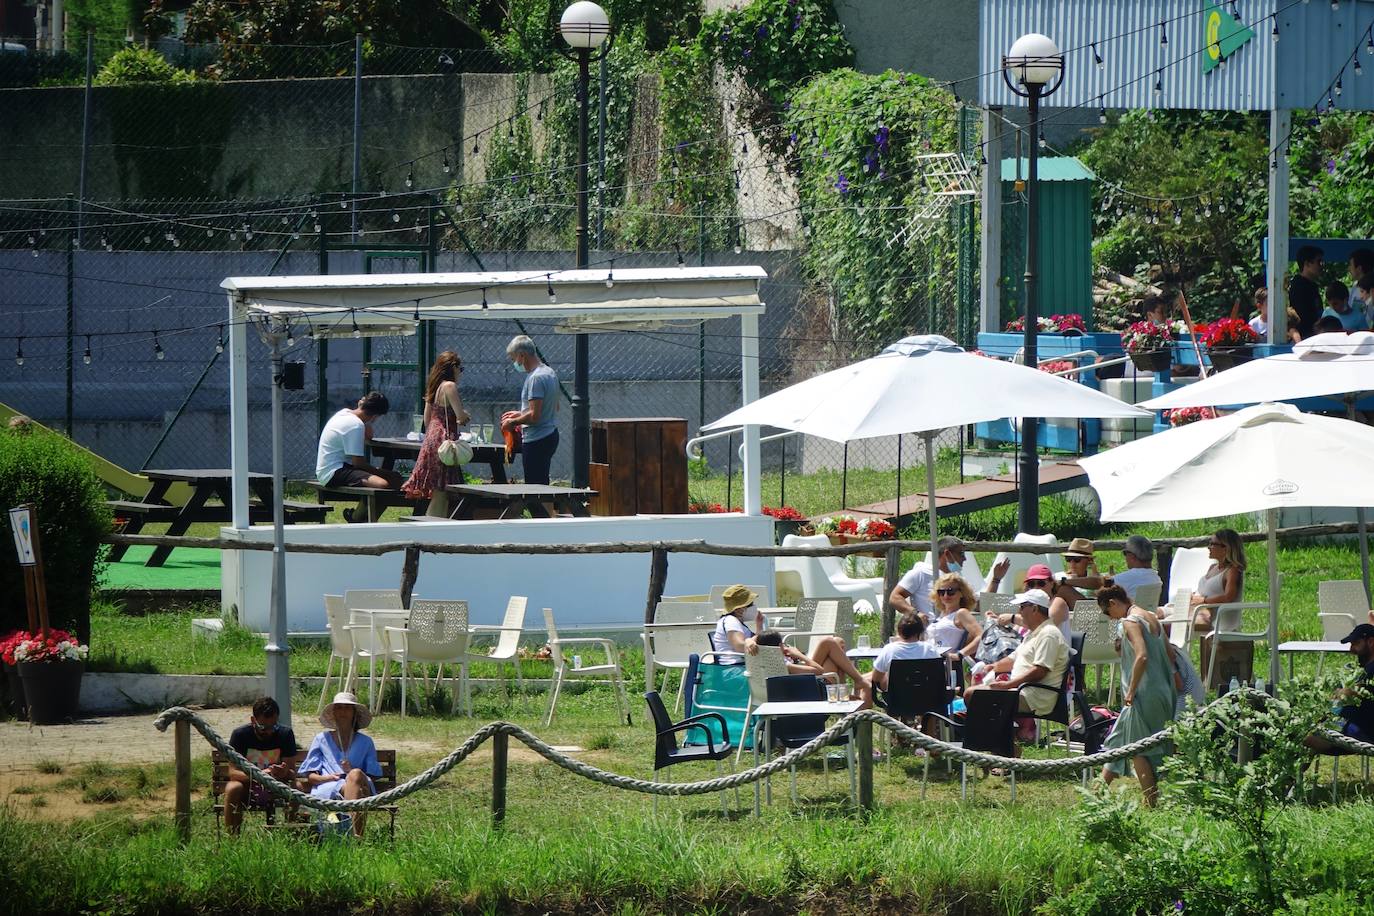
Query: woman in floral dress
[[444, 413]]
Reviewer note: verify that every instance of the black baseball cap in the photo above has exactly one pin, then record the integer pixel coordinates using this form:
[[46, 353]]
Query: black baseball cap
[[1363, 631]]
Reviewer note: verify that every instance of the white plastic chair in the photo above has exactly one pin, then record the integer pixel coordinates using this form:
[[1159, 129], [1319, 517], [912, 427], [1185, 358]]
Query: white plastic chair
[[367, 631], [1188, 565], [1099, 641], [1226, 627], [1343, 596], [670, 640], [436, 633], [340, 647], [507, 648], [822, 624], [993, 604], [825, 577], [1147, 596], [1015, 578], [562, 671], [769, 662], [788, 587]]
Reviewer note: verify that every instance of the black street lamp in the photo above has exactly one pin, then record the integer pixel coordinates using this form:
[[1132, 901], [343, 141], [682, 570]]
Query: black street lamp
[[586, 29], [1033, 69]]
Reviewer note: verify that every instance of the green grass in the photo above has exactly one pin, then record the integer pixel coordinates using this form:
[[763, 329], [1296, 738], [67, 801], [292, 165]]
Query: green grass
[[818, 493]]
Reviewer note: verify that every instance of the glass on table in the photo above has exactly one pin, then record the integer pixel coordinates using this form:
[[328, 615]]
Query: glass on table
[[835, 693], [863, 641]]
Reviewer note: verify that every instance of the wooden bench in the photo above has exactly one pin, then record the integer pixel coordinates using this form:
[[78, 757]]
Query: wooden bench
[[219, 778], [371, 501]]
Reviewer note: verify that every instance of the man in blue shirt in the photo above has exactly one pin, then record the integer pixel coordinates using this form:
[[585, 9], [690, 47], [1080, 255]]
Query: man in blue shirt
[[538, 413], [1357, 707]]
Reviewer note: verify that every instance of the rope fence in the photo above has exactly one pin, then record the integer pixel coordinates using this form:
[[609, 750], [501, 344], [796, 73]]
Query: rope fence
[[859, 722]]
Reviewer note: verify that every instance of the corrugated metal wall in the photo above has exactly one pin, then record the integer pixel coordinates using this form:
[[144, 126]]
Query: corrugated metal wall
[[1065, 249], [1315, 44]]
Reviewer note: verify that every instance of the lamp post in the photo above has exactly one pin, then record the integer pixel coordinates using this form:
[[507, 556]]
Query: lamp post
[[1033, 69], [586, 29]]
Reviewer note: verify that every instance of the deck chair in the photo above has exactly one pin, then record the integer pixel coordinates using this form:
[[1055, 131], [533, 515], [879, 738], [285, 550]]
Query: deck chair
[[340, 647], [1188, 565], [670, 640], [562, 671], [436, 633], [1015, 579], [507, 648], [1099, 641], [825, 577]]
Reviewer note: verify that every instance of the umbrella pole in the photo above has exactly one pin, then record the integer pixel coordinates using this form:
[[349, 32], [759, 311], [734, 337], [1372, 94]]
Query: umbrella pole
[[898, 512], [930, 498], [1272, 523], [1360, 517]]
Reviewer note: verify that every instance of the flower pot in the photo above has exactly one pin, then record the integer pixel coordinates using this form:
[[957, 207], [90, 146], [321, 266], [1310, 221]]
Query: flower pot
[[15, 692], [1106, 372], [52, 690], [1226, 357], [783, 527], [839, 539], [1152, 360]]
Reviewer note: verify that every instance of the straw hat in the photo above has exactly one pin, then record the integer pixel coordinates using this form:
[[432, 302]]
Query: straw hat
[[736, 597], [1079, 547], [362, 716]]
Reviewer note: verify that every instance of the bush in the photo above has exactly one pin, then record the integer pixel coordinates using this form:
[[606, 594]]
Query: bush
[[133, 66], [45, 469], [1063, 518]]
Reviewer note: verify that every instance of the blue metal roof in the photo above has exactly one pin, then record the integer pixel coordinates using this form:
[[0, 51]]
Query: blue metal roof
[[1292, 73]]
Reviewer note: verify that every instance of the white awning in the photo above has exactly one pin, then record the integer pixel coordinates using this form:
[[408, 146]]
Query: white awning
[[391, 303]]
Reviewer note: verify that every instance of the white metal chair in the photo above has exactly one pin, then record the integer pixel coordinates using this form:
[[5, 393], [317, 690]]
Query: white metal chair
[[367, 631], [340, 647], [1015, 578], [769, 662], [1227, 620], [507, 648], [993, 603], [436, 633], [822, 624], [825, 577], [562, 671], [1099, 641], [672, 638], [1335, 627]]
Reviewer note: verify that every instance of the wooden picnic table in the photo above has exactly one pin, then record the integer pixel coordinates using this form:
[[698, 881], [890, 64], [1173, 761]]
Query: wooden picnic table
[[204, 483], [511, 499], [391, 448]]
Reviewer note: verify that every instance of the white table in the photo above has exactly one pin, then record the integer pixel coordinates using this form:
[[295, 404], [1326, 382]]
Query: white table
[[1309, 646], [377, 620], [767, 712]]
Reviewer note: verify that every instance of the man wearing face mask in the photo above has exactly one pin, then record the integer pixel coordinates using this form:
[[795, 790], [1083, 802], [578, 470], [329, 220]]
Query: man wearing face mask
[[538, 413], [912, 593]]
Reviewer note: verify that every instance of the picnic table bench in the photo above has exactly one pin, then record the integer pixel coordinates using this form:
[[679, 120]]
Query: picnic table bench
[[219, 778], [205, 483], [391, 448], [371, 501], [510, 500]]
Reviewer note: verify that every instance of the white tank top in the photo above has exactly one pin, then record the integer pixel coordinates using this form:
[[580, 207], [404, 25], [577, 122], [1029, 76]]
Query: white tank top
[[1212, 583]]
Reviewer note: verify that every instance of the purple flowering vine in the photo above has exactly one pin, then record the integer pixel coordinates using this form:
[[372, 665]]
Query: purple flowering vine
[[842, 184], [881, 136], [870, 162]]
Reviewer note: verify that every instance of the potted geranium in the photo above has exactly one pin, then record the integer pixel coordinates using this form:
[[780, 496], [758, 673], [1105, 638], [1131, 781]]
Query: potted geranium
[[13, 686], [1052, 324], [1229, 341], [1149, 345], [786, 520], [1182, 416], [839, 528], [51, 667]]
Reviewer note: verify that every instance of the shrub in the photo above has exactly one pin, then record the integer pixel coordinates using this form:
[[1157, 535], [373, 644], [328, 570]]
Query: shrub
[[140, 65], [45, 469], [1063, 518]]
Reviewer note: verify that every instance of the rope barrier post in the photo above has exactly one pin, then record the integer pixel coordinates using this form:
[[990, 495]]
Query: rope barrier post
[[865, 752], [500, 743], [182, 744], [890, 576]]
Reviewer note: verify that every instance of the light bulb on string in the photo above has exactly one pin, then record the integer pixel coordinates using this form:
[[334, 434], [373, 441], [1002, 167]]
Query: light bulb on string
[[1369, 43], [395, 217], [475, 149], [209, 233], [1163, 36], [447, 166], [1274, 32], [1159, 82], [1097, 58], [86, 357], [357, 332], [548, 281], [416, 316], [1359, 70], [19, 351], [1042, 138], [484, 297], [410, 178], [219, 341], [1101, 111], [158, 352], [1335, 4], [678, 248], [285, 221], [1338, 85], [610, 275], [290, 337]]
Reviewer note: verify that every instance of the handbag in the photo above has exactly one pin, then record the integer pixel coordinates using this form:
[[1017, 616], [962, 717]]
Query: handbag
[[454, 452], [997, 643]]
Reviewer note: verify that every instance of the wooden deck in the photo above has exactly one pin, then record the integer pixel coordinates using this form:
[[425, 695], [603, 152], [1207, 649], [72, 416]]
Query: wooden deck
[[960, 499]]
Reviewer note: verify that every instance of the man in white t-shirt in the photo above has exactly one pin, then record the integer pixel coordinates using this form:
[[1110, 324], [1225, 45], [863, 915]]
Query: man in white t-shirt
[[912, 593], [1042, 658], [1139, 554], [909, 644], [341, 459]]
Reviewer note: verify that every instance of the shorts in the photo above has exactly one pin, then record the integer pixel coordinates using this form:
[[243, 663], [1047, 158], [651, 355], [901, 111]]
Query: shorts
[[349, 476], [335, 789]]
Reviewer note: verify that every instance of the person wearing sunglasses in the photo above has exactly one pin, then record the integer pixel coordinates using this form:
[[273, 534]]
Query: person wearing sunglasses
[[1148, 688], [267, 745], [1224, 581], [955, 630], [912, 593]]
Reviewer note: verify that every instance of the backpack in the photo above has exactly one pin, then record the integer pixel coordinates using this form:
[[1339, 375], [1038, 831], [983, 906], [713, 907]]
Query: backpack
[[997, 643]]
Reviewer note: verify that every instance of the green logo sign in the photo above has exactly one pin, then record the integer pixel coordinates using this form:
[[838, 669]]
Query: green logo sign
[[1223, 34]]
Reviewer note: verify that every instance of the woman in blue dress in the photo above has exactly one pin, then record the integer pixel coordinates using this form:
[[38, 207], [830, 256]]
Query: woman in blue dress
[[342, 760]]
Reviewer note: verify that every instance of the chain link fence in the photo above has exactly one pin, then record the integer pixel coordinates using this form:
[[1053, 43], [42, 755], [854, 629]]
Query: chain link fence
[[115, 304]]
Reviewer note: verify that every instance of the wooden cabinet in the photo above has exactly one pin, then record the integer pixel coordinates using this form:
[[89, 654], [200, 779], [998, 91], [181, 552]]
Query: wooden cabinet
[[639, 466]]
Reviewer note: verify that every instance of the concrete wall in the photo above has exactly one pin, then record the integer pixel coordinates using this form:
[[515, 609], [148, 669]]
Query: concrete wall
[[935, 38]]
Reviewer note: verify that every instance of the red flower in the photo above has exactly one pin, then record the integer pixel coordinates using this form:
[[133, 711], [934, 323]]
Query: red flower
[[847, 526], [880, 530], [784, 513], [1228, 332]]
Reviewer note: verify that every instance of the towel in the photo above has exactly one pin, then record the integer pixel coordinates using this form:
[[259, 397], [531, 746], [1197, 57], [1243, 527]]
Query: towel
[[512, 436]]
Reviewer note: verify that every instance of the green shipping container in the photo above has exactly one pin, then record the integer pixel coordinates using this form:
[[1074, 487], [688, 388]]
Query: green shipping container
[[1066, 242]]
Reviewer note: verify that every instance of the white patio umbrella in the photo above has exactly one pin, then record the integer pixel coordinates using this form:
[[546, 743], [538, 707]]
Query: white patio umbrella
[[921, 385], [1265, 457], [1324, 365]]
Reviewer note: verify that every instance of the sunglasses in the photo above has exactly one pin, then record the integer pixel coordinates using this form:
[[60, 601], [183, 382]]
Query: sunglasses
[[1037, 582], [1076, 559], [1216, 544], [946, 591]]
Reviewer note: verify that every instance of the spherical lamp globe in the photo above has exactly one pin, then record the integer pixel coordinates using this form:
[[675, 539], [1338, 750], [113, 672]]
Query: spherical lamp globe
[[1034, 60], [584, 25]]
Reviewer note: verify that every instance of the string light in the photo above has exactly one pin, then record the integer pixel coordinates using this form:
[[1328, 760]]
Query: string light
[[356, 331], [1163, 35], [219, 341], [290, 336], [410, 178], [610, 274], [395, 217], [1102, 111], [1159, 82], [86, 357], [1338, 85], [1369, 43], [416, 317], [548, 280], [678, 248], [1274, 32], [447, 166], [1097, 58], [484, 297], [158, 352], [19, 352], [1359, 71]]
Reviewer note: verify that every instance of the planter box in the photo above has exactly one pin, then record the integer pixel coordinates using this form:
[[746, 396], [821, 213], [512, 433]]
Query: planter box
[[52, 690]]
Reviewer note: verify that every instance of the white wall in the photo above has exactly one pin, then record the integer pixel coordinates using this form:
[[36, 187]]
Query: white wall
[[583, 590]]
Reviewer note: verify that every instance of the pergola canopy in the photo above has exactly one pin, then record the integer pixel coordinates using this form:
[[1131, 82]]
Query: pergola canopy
[[388, 304]]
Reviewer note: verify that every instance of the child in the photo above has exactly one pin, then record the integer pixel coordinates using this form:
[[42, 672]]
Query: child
[[1260, 323], [1338, 307]]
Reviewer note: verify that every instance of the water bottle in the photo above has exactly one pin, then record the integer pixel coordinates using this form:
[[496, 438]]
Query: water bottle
[[1234, 685], [1260, 685], [577, 662]]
